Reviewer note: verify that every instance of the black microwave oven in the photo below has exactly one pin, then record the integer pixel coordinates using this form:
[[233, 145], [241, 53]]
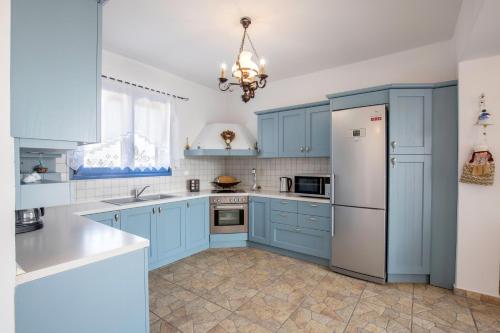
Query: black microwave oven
[[313, 185]]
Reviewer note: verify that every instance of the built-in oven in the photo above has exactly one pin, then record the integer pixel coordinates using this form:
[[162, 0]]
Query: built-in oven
[[228, 214], [313, 185]]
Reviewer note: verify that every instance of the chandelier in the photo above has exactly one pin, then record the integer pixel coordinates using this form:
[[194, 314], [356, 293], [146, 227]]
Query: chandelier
[[247, 74]]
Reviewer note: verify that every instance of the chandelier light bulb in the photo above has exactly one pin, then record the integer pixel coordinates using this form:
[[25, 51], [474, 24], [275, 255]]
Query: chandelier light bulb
[[262, 66], [223, 70]]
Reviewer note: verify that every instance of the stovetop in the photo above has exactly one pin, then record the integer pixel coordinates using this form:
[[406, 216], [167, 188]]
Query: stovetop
[[228, 191]]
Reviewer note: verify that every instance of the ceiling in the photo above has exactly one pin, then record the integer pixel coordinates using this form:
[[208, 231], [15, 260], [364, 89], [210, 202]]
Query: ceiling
[[191, 38]]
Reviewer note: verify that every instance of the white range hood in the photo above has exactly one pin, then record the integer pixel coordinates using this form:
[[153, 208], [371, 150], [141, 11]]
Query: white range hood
[[210, 143]]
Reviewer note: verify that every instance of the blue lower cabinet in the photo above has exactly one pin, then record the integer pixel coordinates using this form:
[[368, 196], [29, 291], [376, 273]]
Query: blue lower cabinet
[[109, 296], [170, 232], [197, 225], [302, 240], [315, 222], [314, 208], [409, 225], [284, 205], [284, 217], [111, 219], [259, 220], [141, 222]]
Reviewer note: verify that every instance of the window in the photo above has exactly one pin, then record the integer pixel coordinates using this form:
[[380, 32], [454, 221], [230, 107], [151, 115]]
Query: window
[[136, 135]]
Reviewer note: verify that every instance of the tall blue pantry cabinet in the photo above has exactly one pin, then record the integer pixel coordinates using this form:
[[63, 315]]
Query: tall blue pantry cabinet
[[422, 174]]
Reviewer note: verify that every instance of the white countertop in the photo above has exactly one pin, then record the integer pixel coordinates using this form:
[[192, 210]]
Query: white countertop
[[69, 240]]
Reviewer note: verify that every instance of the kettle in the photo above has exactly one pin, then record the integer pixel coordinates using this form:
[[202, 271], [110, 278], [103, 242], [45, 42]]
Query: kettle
[[285, 184]]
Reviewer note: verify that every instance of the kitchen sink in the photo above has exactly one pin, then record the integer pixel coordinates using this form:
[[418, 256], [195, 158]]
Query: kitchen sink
[[142, 198], [156, 197], [123, 201]]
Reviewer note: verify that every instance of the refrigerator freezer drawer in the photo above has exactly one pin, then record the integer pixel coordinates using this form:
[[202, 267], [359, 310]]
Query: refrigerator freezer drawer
[[359, 241]]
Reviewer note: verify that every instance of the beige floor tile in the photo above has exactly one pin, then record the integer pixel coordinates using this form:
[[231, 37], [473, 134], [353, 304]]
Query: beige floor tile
[[168, 300], [153, 318], [157, 283], [268, 311], [256, 277], [175, 272], [228, 267], [289, 288], [486, 316], [337, 303], [198, 315], [304, 320], [369, 317], [204, 260], [308, 272], [161, 326], [425, 326], [201, 281], [336, 282], [442, 309], [397, 297], [238, 324], [231, 294]]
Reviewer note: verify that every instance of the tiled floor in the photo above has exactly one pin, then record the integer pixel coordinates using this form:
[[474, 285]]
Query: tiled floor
[[249, 290]]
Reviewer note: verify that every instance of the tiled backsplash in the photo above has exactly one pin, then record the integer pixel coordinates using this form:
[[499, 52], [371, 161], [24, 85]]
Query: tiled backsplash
[[206, 169], [269, 170]]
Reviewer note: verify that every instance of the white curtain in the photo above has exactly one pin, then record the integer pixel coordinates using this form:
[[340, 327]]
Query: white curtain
[[139, 130]]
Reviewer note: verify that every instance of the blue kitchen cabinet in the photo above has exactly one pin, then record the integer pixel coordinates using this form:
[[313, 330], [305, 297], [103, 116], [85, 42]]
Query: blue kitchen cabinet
[[110, 295], [259, 220], [197, 225], [318, 124], [141, 221], [111, 219], [410, 121], [292, 134], [267, 128], [55, 70], [171, 232], [302, 240], [409, 224]]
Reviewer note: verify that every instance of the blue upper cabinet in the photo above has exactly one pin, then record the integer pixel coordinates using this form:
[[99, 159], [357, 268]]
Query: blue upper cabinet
[[318, 121], [55, 69], [260, 222], [141, 222], [295, 131], [409, 235], [268, 135], [292, 136], [197, 224], [410, 121]]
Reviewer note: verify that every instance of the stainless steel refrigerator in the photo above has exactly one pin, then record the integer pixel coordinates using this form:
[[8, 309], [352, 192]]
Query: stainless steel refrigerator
[[359, 177]]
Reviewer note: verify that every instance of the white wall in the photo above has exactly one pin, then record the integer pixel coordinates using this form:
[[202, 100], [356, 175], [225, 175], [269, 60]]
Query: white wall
[[7, 243], [205, 105], [478, 244], [431, 63]]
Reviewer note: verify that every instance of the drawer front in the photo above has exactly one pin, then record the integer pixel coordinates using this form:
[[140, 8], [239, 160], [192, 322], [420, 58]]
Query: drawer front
[[314, 222], [313, 208], [284, 217], [284, 205], [312, 242]]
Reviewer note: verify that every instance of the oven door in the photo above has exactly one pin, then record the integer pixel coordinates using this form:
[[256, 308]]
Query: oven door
[[228, 219], [311, 186]]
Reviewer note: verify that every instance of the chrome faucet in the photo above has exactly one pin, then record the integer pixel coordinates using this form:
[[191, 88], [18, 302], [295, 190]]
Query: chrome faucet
[[137, 192]]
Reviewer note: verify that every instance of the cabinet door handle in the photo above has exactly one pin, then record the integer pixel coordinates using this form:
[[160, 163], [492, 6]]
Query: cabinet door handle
[[393, 145], [313, 205], [301, 149], [154, 210], [116, 217], [284, 202], [187, 204], [308, 149], [312, 219], [298, 229], [283, 215], [393, 162], [159, 210]]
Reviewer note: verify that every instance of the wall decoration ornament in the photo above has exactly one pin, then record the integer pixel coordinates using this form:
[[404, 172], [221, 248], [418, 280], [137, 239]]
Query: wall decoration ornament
[[228, 137], [480, 169]]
